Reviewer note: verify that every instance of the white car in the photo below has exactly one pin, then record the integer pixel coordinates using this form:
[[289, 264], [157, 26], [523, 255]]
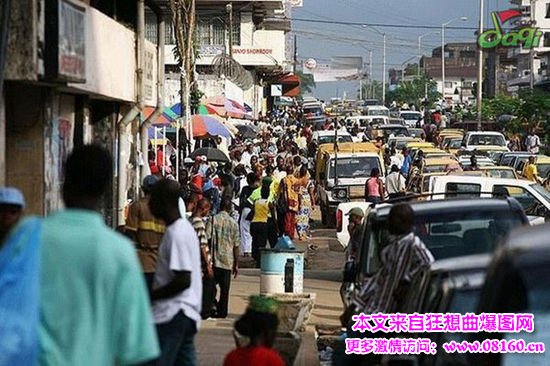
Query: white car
[[410, 117], [534, 199], [328, 137], [475, 139]]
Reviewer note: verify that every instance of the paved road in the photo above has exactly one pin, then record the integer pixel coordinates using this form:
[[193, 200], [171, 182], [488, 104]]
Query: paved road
[[215, 340]]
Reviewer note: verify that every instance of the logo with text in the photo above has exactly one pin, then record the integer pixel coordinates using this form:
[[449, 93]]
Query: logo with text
[[524, 33]]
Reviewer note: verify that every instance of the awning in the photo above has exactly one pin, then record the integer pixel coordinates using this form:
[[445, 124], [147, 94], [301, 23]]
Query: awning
[[291, 85]]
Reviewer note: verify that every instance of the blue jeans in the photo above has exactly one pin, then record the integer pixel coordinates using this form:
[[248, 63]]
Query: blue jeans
[[176, 342]]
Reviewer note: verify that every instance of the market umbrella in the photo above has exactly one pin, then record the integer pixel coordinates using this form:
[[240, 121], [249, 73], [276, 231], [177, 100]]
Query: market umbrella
[[204, 126], [165, 119], [226, 107], [247, 131], [158, 138], [211, 153]]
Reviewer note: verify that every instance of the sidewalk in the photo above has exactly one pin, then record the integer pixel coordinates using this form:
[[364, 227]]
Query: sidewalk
[[322, 277]]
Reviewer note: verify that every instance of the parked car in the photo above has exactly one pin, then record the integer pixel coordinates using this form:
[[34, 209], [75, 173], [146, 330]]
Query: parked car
[[507, 158], [534, 199], [518, 281], [328, 137], [449, 228], [474, 139], [411, 118]]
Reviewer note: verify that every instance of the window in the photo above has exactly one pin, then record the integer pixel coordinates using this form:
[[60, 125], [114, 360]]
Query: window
[[151, 26], [546, 42], [448, 84], [526, 199], [462, 190], [211, 30], [547, 11]]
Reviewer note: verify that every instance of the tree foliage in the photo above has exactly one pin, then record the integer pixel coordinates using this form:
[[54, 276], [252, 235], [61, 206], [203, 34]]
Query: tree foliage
[[307, 82], [414, 91]]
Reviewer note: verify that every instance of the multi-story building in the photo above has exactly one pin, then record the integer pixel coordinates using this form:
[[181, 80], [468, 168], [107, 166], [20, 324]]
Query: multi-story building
[[537, 11], [460, 71], [76, 72], [259, 45]]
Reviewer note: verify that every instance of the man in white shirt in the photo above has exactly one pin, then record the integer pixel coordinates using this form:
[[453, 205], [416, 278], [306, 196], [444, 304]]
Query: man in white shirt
[[247, 155], [395, 183], [177, 289], [532, 143]]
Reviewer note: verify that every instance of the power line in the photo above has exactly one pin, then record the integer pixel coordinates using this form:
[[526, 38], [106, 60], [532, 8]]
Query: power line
[[380, 25]]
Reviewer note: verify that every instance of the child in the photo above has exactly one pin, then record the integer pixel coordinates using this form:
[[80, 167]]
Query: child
[[259, 324]]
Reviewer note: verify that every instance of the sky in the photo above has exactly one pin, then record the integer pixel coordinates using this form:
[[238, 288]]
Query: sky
[[322, 41]]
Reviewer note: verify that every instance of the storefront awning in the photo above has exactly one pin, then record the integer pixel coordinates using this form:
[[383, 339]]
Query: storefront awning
[[291, 85]]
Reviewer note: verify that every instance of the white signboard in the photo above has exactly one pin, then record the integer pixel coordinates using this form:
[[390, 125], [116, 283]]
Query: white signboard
[[276, 90]]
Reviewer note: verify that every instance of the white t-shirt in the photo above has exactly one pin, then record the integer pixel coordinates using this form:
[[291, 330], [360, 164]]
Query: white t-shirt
[[179, 251]]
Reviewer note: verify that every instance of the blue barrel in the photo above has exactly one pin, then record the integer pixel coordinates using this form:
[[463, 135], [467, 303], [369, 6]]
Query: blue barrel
[[282, 271]]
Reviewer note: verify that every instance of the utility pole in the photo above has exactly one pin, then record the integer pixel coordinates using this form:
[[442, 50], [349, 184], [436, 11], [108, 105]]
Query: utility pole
[[480, 69], [370, 73], [532, 52], [229, 8], [295, 63], [384, 72]]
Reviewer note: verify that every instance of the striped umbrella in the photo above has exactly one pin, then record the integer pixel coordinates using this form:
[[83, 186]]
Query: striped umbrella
[[225, 107], [206, 126], [165, 119]]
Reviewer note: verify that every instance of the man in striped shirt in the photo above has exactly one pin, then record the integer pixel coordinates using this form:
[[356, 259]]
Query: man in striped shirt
[[145, 230], [404, 256], [202, 209]]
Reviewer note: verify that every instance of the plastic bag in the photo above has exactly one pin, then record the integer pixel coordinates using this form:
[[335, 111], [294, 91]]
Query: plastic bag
[[19, 295], [284, 242]]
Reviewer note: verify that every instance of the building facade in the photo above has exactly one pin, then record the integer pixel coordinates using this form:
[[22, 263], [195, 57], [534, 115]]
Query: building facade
[[460, 71], [74, 75]]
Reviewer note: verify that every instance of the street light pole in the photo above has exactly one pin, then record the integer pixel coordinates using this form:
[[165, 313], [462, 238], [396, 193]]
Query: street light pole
[[384, 72], [480, 68]]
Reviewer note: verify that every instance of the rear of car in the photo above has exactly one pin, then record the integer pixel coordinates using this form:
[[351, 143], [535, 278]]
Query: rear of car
[[411, 118]]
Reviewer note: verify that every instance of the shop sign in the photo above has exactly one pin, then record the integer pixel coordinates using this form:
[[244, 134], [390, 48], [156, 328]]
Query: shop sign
[[523, 35]]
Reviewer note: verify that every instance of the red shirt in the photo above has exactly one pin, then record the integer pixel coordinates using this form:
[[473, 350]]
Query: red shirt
[[253, 356]]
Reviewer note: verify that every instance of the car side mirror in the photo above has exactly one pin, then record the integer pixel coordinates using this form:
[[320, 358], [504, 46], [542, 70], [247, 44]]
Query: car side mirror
[[349, 271]]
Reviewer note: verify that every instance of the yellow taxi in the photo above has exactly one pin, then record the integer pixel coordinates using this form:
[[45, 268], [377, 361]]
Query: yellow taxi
[[496, 171]]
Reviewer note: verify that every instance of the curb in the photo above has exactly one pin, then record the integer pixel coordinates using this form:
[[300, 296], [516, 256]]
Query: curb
[[308, 354]]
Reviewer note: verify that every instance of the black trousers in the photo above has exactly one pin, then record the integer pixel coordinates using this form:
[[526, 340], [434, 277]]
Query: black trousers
[[272, 232], [223, 279], [208, 296], [259, 233]]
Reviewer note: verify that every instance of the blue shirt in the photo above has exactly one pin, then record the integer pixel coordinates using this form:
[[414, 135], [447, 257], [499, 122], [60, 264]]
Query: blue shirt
[[94, 305], [406, 165]]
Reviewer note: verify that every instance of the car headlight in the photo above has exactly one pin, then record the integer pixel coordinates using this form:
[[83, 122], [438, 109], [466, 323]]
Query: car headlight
[[339, 193]]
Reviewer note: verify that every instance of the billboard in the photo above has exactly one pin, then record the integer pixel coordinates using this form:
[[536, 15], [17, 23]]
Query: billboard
[[342, 68]]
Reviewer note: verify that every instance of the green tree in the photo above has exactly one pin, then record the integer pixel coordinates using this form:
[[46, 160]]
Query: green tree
[[307, 82], [413, 91], [372, 89]]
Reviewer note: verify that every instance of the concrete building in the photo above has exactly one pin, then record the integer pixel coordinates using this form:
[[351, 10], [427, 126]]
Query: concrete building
[[259, 37], [460, 71], [539, 12], [74, 75]]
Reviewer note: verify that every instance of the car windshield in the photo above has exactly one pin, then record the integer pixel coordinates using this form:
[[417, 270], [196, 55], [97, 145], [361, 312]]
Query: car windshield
[[416, 132], [396, 131], [447, 235], [543, 170], [378, 112], [501, 173], [454, 144], [328, 139], [316, 111], [497, 140], [540, 190], [356, 167], [411, 116], [434, 168]]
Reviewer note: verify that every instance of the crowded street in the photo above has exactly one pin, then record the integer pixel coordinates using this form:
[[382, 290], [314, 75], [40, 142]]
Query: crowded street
[[274, 182]]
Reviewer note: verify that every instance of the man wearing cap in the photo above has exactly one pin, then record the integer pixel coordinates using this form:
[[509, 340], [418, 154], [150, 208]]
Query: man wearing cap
[[145, 230], [356, 215], [12, 204]]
